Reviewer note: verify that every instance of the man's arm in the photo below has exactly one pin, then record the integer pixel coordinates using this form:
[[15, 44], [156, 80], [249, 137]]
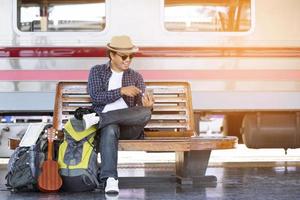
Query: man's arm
[[143, 99], [141, 85], [97, 90]]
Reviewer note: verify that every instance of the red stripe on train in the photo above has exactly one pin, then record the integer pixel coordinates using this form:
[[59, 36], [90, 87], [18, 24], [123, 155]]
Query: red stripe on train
[[54, 75], [37, 52]]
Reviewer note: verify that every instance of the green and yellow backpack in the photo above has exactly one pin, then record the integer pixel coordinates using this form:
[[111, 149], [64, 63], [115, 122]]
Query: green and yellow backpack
[[77, 157]]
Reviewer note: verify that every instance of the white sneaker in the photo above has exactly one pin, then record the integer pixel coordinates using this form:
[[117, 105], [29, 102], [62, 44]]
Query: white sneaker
[[112, 196], [112, 185], [90, 120]]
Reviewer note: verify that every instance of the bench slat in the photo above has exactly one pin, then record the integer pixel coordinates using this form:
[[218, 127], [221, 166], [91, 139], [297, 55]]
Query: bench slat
[[154, 145], [203, 143], [82, 89], [166, 125], [169, 90], [169, 108], [76, 99], [168, 117], [167, 134], [151, 124], [70, 99], [162, 119], [155, 108], [187, 144], [170, 99], [74, 89], [73, 108]]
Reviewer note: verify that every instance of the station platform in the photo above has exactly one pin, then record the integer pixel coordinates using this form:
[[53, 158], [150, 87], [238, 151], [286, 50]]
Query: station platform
[[242, 173]]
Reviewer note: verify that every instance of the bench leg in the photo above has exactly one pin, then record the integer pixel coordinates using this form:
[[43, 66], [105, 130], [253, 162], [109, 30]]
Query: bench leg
[[191, 166]]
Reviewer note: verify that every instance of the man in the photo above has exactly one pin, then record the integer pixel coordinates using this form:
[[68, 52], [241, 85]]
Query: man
[[117, 96]]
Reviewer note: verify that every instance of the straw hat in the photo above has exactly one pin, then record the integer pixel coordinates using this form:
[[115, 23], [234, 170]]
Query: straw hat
[[122, 44]]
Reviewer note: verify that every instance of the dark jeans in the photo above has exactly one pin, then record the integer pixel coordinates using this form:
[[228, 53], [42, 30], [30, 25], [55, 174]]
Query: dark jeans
[[125, 124]]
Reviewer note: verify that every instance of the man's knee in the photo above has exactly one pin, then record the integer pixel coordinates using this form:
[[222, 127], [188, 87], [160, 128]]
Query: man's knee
[[142, 115], [146, 114], [111, 131]]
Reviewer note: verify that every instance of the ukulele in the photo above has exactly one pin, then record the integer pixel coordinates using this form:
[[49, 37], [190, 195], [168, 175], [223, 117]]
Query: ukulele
[[49, 179]]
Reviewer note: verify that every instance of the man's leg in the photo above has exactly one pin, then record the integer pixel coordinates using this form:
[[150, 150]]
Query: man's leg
[[131, 132], [109, 151], [134, 116], [129, 116]]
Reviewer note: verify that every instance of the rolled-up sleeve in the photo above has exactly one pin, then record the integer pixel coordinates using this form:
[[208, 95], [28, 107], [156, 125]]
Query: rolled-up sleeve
[[97, 91]]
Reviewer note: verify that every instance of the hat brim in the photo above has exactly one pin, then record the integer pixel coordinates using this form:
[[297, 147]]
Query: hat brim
[[134, 49]]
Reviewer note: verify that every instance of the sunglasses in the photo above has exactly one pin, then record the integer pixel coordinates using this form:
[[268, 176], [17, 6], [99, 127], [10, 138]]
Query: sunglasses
[[124, 57]]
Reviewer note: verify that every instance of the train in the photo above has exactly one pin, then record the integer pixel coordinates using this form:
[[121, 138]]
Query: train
[[239, 56]]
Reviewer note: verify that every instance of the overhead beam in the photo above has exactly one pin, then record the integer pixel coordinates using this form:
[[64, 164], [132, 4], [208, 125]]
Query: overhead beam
[[200, 2], [62, 1]]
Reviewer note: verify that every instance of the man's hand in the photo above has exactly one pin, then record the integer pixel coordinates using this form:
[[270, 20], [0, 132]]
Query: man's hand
[[148, 100], [130, 91]]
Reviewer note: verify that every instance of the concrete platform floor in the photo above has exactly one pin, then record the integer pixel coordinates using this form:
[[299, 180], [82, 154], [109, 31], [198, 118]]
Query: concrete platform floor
[[260, 175], [233, 183]]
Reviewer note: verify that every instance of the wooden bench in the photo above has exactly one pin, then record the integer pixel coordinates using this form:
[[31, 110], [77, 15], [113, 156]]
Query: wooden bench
[[171, 128]]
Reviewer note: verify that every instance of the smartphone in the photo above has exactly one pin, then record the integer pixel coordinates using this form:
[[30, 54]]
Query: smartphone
[[149, 91]]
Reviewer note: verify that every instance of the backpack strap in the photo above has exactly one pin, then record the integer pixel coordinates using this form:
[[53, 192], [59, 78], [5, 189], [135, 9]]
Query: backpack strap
[[78, 135], [91, 177]]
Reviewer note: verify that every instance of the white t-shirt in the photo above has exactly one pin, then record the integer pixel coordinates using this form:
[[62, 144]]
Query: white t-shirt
[[115, 81]]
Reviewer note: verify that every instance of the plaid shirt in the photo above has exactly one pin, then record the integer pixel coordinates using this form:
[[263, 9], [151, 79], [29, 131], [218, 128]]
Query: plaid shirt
[[98, 87]]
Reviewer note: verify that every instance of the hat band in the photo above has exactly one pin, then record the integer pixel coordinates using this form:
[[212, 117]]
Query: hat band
[[116, 48]]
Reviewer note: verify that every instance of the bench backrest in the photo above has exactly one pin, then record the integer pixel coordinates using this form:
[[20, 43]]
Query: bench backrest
[[172, 115]]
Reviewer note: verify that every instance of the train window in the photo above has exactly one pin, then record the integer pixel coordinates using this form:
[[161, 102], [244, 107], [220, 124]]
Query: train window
[[207, 15], [61, 15]]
